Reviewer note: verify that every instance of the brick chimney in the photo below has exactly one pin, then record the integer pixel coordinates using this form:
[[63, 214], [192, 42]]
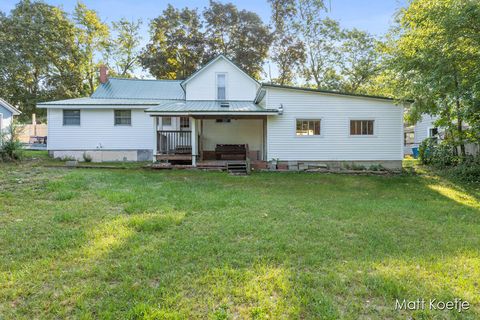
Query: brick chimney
[[103, 74]]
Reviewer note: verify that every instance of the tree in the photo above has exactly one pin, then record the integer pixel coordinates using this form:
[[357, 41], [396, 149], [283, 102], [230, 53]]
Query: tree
[[434, 52], [176, 47], [92, 40], [37, 56], [125, 44], [288, 51], [239, 35], [359, 61]]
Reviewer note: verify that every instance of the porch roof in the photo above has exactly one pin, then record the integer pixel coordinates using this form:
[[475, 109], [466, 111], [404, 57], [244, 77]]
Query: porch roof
[[192, 107]]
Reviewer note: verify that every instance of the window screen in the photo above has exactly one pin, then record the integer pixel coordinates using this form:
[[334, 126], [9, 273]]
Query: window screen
[[71, 117]]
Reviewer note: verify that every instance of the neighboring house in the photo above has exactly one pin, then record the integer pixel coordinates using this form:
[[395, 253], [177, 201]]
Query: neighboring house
[[220, 108], [426, 128], [7, 111]]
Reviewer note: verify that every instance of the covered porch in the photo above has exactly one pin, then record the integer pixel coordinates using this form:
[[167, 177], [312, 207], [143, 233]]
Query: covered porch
[[214, 137]]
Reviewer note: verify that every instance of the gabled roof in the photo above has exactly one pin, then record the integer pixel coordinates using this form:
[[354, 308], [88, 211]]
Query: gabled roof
[[218, 57], [209, 107], [9, 107], [117, 88]]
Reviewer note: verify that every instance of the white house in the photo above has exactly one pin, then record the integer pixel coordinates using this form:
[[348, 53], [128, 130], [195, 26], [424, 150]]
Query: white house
[[7, 111], [426, 128], [221, 113]]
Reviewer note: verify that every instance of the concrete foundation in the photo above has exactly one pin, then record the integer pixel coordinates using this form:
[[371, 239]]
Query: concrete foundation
[[103, 155], [308, 165]]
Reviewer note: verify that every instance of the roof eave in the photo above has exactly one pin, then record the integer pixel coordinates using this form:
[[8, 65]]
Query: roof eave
[[9, 107], [332, 92]]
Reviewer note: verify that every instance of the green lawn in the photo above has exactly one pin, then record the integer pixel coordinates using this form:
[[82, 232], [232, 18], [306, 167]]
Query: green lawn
[[140, 244]]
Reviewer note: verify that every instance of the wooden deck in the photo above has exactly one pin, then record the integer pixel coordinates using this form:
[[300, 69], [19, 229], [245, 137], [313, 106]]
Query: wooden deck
[[174, 157]]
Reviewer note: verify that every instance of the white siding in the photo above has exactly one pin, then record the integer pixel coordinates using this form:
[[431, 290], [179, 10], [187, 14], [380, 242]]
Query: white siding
[[422, 127], [335, 142], [97, 128], [5, 118], [240, 131], [203, 85]]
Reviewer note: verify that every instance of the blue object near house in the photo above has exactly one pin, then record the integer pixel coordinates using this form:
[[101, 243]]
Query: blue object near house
[[415, 152]]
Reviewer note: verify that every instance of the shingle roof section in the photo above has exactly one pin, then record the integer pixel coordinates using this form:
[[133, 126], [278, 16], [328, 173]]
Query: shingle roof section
[[208, 106], [140, 89]]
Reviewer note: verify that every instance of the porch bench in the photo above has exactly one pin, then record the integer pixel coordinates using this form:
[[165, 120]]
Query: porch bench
[[231, 151]]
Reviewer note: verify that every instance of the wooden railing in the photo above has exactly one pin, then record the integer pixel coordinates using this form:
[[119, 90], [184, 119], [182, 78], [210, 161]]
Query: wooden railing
[[174, 142]]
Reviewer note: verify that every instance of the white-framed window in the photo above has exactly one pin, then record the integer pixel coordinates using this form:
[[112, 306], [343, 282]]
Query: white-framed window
[[362, 127], [184, 123], [71, 117], [432, 132], [221, 86], [308, 127], [123, 117], [166, 121]]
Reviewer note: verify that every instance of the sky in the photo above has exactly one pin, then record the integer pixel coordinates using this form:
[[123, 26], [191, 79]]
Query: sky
[[374, 16]]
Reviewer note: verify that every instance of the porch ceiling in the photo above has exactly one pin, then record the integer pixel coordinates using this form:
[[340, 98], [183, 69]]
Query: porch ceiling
[[198, 107]]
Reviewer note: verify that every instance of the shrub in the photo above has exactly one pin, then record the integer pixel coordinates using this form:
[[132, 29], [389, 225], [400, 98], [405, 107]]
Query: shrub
[[468, 170], [87, 157], [11, 149], [439, 155]]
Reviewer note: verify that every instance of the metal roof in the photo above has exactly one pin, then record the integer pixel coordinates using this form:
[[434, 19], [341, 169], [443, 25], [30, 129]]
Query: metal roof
[[116, 88], [209, 106], [102, 102], [328, 92]]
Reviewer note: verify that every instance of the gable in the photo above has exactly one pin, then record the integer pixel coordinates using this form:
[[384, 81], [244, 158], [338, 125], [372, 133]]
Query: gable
[[203, 84]]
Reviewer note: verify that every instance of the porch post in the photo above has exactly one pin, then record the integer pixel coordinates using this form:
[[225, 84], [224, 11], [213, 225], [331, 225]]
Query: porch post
[[155, 137], [194, 141]]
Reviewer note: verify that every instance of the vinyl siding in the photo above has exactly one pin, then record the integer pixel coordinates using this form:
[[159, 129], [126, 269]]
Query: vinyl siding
[[335, 142], [97, 128], [203, 85], [422, 127], [6, 117]]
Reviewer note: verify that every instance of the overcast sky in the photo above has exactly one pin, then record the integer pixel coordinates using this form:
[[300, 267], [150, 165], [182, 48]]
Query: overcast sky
[[374, 16]]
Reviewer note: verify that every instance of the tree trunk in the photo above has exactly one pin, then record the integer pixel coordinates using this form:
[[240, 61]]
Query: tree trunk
[[460, 129]]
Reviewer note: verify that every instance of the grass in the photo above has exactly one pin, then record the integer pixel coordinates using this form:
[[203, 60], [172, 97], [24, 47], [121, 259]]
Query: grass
[[139, 244]]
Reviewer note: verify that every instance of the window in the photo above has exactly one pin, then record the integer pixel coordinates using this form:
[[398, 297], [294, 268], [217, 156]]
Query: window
[[184, 123], [123, 117], [71, 117], [308, 128], [166, 121], [361, 127], [224, 120], [221, 86], [432, 132]]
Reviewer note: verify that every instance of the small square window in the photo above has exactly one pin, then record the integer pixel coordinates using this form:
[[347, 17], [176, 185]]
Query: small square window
[[71, 117], [123, 117], [361, 127], [166, 121], [307, 128]]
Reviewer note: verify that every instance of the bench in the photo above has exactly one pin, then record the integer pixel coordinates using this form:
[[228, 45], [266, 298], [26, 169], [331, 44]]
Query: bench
[[231, 151]]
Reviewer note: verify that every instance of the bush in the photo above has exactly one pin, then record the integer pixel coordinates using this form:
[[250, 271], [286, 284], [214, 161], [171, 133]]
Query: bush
[[440, 155], [87, 157], [11, 149], [468, 170]]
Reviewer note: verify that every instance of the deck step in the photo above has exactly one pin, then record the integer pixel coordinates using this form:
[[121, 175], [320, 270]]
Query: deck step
[[237, 168]]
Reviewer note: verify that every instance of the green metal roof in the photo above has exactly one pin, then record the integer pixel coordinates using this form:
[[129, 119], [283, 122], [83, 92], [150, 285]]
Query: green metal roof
[[208, 106], [116, 88], [102, 102], [328, 92]]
